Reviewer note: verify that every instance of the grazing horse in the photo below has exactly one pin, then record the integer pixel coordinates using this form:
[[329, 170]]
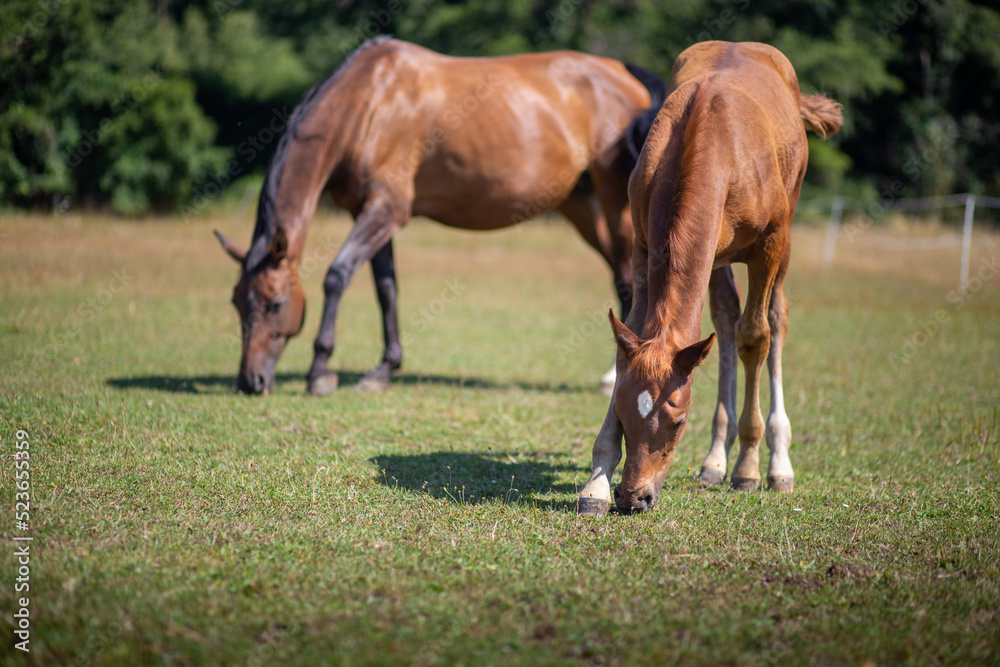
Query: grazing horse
[[474, 143], [717, 182]]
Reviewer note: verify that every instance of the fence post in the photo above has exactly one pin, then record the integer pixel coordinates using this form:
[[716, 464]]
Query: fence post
[[832, 230], [970, 210]]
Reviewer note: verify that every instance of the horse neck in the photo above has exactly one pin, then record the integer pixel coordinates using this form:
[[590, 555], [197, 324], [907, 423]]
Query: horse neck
[[317, 147], [682, 248], [678, 283], [305, 176]]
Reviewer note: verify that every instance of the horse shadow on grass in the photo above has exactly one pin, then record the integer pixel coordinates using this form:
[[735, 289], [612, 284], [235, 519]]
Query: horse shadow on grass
[[467, 478], [349, 379], [189, 384], [216, 384]]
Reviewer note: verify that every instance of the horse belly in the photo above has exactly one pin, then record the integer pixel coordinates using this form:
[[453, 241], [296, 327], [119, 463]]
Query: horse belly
[[470, 192]]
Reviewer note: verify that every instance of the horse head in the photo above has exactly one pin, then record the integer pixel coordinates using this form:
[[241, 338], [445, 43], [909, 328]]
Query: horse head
[[651, 399], [272, 308]]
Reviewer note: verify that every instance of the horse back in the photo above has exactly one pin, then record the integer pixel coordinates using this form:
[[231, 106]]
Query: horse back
[[730, 135], [475, 141]]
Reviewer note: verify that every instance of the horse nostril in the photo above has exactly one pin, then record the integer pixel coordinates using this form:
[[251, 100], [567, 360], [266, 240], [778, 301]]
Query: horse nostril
[[259, 382], [647, 501]]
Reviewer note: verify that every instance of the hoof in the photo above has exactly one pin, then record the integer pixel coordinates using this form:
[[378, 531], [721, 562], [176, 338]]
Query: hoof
[[372, 385], [781, 483], [322, 385], [744, 483], [592, 506], [711, 476]]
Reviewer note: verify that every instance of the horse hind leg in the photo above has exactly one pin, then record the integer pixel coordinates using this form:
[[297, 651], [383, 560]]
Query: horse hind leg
[[384, 275], [584, 210], [780, 476], [611, 189], [724, 305]]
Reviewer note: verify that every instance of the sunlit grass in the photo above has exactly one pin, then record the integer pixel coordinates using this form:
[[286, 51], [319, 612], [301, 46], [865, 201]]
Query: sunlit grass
[[176, 521]]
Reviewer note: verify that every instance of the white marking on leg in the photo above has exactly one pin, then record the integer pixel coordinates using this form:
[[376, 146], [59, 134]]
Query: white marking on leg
[[725, 309], [724, 421], [645, 404], [779, 428], [606, 455]]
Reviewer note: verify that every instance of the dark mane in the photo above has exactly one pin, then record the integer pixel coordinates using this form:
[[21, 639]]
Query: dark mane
[[638, 129], [266, 225]]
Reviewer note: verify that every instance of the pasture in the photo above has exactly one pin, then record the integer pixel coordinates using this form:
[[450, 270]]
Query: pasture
[[177, 522]]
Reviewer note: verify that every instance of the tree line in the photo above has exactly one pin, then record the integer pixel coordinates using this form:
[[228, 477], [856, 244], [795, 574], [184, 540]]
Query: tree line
[[161, 105]]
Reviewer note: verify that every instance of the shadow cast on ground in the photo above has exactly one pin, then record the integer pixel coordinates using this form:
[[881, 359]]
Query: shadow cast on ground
[[469, 478], [213, 384], [350, 378], [189, 384]]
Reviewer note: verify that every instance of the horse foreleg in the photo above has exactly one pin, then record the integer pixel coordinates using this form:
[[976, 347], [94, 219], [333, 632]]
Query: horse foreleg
[[724, 305], [374, 226], [384, 274], [753, 335], [595, 499], [780, 476]]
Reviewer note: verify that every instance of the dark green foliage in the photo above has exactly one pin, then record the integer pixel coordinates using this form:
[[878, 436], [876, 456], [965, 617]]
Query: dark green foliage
[[100, 108], [139, 104]]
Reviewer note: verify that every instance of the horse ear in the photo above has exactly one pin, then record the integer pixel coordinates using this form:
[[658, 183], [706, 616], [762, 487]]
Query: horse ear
[[627, 341], [278, 249], [690, 357], [231, 248]]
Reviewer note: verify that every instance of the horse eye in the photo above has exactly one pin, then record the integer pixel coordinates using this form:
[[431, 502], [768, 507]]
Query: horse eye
[[271, 307], [680, 421]]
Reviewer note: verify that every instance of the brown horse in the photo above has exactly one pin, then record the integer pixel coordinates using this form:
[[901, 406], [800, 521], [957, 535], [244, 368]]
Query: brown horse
[[474, 143], [717, 182]]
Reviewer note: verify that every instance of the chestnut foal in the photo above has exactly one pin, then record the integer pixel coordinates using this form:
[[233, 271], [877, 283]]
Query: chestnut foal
[[717, 182]]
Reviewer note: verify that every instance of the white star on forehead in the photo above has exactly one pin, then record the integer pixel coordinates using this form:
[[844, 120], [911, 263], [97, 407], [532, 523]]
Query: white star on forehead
[[645, 404]]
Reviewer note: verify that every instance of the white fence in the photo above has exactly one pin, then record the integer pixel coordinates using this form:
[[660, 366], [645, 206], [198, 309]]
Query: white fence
[[838, 205]]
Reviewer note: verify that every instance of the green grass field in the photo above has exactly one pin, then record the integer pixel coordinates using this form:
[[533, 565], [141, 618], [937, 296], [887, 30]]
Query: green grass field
[[177, 522]]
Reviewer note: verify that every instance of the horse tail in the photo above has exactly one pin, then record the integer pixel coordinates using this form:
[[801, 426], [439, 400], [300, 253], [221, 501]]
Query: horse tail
[[821, 114], [637, 130]]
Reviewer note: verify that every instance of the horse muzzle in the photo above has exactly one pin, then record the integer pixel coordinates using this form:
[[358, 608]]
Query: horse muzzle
[[254, 383], [636, 503]]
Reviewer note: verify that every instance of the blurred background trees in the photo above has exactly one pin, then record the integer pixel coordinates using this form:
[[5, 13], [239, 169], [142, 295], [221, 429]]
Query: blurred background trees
[[159, 104]]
